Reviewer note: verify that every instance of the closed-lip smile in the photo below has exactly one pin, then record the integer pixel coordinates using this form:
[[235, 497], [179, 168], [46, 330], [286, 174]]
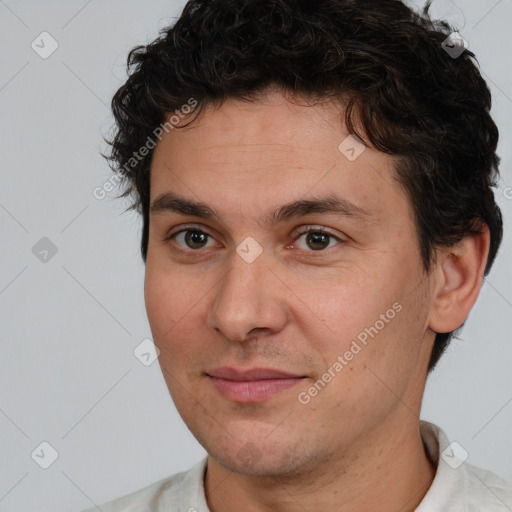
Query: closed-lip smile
[[252, 385]]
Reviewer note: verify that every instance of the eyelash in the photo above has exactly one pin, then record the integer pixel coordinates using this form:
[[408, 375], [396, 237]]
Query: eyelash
[[311, 229]]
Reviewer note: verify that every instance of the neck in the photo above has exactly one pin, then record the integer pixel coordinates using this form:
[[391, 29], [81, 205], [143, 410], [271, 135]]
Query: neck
[[387, 470]]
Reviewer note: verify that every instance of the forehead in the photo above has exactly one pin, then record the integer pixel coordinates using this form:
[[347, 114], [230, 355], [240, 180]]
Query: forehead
[[272, 151]]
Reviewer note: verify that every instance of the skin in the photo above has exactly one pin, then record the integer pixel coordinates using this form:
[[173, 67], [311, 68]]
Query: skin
[[356, 445]]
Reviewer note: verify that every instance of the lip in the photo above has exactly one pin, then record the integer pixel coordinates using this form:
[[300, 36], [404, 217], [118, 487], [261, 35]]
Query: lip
[[251, 386], [230, 373]]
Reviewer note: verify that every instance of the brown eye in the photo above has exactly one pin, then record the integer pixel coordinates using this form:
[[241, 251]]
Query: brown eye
[[191, 239], [317, 241]]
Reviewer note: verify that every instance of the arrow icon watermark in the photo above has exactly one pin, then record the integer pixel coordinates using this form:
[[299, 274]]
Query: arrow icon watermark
[[146, 352], [351, 148], [249, 249]]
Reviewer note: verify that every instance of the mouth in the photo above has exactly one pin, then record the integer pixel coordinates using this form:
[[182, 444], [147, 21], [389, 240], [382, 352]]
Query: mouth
[[251, 386]]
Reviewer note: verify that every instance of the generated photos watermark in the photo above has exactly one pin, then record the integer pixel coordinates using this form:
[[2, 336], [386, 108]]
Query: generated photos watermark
[[179, 114], [342, 361]]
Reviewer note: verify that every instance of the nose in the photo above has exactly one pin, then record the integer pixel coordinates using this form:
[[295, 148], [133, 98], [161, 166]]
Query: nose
[[249, 298]]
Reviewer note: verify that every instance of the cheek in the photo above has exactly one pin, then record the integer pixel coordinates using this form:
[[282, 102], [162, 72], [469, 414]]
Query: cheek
[[174, 308], [367, 319], [172, 304], [160, 301], [343, 309]]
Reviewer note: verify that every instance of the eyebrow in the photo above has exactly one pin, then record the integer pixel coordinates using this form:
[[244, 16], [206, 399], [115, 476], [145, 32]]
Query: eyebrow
[[171, 202]]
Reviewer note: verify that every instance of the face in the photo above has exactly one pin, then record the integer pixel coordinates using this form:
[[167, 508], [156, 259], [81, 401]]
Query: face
[[288, 302]]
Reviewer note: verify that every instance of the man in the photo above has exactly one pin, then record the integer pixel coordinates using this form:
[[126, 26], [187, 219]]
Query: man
[[315, 181]]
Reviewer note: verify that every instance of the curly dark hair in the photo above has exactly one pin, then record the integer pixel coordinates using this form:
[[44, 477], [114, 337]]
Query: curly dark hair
[[410, 97]]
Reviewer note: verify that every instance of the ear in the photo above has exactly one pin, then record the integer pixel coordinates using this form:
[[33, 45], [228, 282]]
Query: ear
[[458, 277]]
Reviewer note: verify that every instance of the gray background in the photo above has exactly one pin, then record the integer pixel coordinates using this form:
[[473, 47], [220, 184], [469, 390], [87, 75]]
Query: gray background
[[68, 375]]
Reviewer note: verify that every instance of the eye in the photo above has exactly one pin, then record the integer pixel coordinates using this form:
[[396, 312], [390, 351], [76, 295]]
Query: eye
[[318, 239], [315, 239], [192, 238]]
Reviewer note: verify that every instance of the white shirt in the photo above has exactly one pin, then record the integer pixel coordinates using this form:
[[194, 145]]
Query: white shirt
[[457, 486]]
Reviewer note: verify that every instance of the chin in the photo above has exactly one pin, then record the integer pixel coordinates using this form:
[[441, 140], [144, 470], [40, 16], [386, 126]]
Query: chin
[[252, 456]]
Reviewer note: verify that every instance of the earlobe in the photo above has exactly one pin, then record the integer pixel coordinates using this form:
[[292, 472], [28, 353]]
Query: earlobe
[[458, 278]]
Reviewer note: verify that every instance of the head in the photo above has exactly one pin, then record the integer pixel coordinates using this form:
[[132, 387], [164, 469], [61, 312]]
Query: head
[[240, 108]]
